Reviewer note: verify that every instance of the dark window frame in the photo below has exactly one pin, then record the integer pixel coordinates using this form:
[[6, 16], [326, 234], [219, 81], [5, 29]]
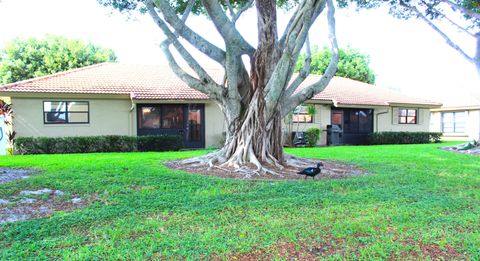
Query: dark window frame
[[66, 113], [355, 127], [406, 116], [454, 122], [161, 105], [302, 113]]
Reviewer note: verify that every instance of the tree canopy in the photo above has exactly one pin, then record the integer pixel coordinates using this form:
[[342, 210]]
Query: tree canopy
[[351, 64], [27, 58]]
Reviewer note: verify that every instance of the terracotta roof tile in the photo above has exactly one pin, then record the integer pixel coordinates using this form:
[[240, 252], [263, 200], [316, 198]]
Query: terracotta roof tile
[[147, 82]]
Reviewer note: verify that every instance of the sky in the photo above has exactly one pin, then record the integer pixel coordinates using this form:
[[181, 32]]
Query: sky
[[405, 55]]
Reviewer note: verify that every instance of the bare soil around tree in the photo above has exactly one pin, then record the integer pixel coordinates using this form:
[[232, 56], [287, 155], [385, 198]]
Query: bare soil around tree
[[330, 170]]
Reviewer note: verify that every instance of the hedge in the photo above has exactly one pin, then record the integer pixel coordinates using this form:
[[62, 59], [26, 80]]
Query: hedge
[[89, 144], [403, 137]]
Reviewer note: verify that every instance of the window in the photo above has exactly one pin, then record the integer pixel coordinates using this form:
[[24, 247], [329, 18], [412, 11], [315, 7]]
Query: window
[[300, 115], [358, 120], [337, 117], [160, 117], [149, 117], [407, 116], [65, 112], [453, 122], [172, 117]]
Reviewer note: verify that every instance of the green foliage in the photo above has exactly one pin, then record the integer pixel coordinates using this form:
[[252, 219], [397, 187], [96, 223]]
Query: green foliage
[[90, 144], [311, 110], [418, 202], [352, 64], [390, 137], [27, 58], [312, 135], [160, 143], [180, 6]]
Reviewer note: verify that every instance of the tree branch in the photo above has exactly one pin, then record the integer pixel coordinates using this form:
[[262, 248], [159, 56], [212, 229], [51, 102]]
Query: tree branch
[[461, 8], [226, 28], [294, 41], [307, 93], [463, 29], [477, 53], [188, 10], [440, 32], [186, 33], [303, 74], [207, 88], [205, 84], [241, 11], [293, 20]]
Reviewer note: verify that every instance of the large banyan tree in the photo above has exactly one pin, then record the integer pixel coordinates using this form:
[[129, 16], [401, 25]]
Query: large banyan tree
[[253, 100]]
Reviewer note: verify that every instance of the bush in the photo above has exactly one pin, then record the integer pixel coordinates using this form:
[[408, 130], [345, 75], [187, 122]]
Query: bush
[[312, 135], [160, 143], [88, 144], [403, 137]]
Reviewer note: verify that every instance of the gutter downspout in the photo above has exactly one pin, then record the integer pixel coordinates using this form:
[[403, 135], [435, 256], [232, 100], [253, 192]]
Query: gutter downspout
[[376, 118], [131, 126]]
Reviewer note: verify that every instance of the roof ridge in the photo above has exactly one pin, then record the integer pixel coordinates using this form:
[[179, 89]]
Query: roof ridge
[[58, 74]]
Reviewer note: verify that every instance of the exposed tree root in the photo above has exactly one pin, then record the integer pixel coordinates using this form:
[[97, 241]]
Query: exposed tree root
[[212, 164]]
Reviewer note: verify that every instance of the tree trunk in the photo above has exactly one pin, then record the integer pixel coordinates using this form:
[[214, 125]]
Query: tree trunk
[[258, 138], [253, 103]]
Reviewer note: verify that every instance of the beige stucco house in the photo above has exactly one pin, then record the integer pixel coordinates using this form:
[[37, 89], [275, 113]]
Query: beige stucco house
[[118, 99], [459, 117]]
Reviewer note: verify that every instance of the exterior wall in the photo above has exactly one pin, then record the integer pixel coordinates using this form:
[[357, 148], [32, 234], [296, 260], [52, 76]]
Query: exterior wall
[[107, 117], [472, 126], [384, 119], [321, 119], [387, 120], [115, 117], [214, 126]]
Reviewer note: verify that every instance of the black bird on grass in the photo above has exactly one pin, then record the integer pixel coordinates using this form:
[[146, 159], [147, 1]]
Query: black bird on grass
[[311, 172]]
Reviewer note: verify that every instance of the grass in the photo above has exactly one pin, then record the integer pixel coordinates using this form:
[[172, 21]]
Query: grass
[[420, 202]]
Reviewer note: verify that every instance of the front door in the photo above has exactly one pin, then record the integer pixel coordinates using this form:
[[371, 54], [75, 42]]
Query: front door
[[186, 120], [194, 132]]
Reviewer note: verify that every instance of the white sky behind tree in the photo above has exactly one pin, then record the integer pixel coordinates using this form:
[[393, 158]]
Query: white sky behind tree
[[405, 55]]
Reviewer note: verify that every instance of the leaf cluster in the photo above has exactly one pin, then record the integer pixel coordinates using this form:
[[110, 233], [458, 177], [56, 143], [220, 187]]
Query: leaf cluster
[[125, 6], [352, 64], [27, 58]]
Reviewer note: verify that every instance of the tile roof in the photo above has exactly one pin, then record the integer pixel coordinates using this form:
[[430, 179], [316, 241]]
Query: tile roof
[[148, 82]]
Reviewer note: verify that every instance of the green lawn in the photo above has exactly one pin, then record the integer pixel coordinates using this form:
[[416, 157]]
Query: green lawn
[[420, 201]]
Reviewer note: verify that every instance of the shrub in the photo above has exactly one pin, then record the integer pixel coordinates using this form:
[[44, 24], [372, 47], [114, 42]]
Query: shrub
[[159, 143], [403, 137], [312, 135], [88, 144]]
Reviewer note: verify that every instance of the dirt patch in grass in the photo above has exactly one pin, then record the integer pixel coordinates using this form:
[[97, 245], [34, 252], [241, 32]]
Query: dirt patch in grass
[[432, 251], [7, 175], [330, 170], [336, 247], [291, 251], [36, 204]]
